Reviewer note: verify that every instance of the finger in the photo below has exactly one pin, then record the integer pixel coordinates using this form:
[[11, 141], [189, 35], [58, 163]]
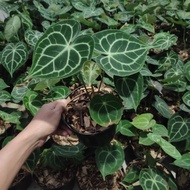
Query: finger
[[63, 132]]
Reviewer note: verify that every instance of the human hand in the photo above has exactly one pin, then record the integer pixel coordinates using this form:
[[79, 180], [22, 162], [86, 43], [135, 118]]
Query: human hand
[[47, 120]]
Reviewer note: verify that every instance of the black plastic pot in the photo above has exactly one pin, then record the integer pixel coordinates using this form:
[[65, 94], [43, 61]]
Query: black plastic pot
[[23, 183], [95, 139]]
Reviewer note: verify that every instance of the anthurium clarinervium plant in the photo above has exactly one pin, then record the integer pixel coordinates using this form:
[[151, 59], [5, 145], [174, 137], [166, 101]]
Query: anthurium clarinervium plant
[[135, 58], [62, 51]]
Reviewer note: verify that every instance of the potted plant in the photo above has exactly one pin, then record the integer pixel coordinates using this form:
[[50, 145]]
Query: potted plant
[[64, 51]]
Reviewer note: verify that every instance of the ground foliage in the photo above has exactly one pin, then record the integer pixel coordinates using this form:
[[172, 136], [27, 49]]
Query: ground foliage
[[153, 85]]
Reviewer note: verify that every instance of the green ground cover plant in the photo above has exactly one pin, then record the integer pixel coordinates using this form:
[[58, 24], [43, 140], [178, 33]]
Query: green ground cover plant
[[138, 48]]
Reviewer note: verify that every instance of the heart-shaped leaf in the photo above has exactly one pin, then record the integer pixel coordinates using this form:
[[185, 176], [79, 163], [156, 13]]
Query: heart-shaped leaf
[[164, 40], [61, 51], [178, 128], [109, 158], [186, 98], [14, 56], [4, 96], [19, 92], [161, 130], [58, 92], [32, 36], [120, 54], [150, 179], [130, 89], [32, 102], [143, 121], [126, 128], [132, 174], [106, 110]]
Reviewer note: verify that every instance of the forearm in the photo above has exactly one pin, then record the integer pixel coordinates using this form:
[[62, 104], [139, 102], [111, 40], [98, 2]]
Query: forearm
[[13, 155]]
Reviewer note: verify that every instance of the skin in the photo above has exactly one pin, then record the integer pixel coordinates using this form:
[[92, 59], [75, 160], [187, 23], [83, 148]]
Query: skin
[[14, 154]]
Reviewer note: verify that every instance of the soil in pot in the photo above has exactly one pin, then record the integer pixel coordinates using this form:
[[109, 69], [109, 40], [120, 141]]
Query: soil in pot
[[49, 179], [79, 121], [90, 178], [22, 180]]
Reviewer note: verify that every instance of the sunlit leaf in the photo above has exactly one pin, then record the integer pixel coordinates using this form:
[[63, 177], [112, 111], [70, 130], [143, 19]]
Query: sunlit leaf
[[143, 121], [160, 129]]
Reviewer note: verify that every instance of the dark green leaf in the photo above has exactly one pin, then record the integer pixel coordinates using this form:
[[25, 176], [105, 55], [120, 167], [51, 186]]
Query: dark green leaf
[[109, 158], [162, 107], [106, 110], [151, 180], [130, 89], [178, 128], [61, 51], [126, 128], [120, 54]]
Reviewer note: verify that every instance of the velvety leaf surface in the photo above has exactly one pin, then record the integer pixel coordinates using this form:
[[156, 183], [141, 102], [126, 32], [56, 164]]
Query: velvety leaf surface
[[178, 128], [120, 54], [106, 109], [61, 51], [151, 180], [14, 56]]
